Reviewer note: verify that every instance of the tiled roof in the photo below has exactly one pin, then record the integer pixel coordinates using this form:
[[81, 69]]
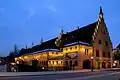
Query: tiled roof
[[83, 35]]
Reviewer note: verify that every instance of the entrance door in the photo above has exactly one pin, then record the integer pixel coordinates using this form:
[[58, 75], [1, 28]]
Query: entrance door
[[34, 63], [70, 63], [103, 65], [98, 65], [86, 64], [109, 65]]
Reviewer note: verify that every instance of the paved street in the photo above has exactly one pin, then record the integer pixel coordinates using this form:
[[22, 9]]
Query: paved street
[[102, 75]]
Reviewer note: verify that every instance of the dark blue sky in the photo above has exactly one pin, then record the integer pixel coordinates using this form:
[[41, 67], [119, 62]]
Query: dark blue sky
[[25, 21]]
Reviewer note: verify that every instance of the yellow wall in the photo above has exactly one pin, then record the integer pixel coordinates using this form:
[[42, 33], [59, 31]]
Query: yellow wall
[[80, 49]]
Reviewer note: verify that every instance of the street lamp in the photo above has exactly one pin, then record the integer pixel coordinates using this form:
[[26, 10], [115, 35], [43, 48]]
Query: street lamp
[[92, 63], [115, 61]]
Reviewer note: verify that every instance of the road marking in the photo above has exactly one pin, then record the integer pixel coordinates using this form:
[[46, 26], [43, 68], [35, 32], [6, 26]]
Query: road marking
[[88, 77]]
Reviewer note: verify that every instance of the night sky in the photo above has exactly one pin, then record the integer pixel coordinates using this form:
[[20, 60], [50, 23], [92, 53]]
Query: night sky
[[25, 21]]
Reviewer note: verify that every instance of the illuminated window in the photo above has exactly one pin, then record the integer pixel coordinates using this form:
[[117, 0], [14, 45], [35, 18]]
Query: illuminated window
[[49, 62], [86, 51]]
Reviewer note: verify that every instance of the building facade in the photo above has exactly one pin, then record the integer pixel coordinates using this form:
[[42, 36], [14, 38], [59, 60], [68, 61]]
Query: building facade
[[79, 49]]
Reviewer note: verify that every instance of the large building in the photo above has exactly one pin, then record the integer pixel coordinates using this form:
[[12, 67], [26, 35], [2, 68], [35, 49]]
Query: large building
[[78, 49]]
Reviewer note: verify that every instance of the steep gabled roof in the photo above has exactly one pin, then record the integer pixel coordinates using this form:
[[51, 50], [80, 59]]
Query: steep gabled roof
[[83, 34]]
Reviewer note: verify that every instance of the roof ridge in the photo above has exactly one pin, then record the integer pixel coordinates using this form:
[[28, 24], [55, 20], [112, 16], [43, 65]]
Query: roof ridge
[[82, 27]]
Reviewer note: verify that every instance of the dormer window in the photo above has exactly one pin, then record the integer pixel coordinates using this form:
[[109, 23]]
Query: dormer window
[[75, 47]]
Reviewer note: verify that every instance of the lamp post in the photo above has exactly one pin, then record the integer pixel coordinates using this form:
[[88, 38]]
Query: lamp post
[[92, 63]]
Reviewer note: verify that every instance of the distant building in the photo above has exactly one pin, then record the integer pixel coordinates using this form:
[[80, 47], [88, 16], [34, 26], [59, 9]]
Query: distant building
[[73, 49], [116, 57]]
